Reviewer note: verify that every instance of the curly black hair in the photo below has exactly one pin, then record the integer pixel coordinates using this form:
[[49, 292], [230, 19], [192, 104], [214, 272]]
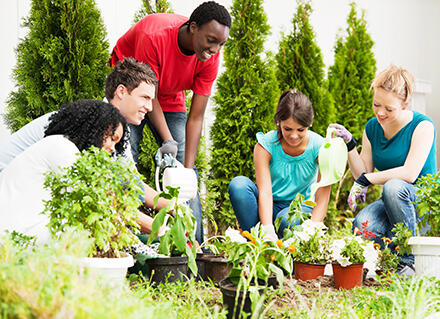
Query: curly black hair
[[87, 123], [208, 11]]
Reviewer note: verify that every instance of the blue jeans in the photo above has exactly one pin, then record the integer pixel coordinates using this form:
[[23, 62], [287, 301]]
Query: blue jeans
[[176, 122], [243, 194], [395, 206]]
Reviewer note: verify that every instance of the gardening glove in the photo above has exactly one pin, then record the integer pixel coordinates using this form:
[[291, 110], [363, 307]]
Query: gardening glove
[[358, 191], [345, 135], [269, 233], [169, 147]]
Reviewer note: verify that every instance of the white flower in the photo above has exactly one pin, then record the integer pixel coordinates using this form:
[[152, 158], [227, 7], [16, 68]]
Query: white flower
[[371, 256], [288, 242], [303, 236], [234, 235], [344, 261], [310, 227]]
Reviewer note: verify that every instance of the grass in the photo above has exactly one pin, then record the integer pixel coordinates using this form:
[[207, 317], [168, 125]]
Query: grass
[[42, 283]]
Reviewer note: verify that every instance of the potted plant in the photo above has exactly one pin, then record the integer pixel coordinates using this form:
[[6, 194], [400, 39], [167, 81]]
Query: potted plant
[[178, 242], [254, 262], [349, 255], [100, 196], [426, 248], [310, 249]]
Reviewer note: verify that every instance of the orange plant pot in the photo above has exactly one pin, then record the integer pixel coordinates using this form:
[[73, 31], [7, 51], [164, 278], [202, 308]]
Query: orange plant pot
[[308, 271], [348, 277]]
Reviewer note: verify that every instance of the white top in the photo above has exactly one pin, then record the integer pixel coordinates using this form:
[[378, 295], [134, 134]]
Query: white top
[[22, 185]]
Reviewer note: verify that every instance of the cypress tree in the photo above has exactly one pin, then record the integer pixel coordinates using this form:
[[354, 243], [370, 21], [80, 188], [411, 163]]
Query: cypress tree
[[246, 98], [349, 82], [351, 75], [159, 6], [300, 65], [64, 57]]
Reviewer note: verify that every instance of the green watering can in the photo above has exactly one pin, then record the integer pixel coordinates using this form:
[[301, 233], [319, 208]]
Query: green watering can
[[332, 159]]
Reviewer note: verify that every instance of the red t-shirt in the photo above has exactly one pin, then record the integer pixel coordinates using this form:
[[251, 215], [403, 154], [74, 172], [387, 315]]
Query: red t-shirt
[[153, 40]]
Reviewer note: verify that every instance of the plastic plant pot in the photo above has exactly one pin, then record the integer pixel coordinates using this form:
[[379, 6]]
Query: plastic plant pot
[[216, 268], [348, 277], [306, 272], [168, 269], [426, 251]]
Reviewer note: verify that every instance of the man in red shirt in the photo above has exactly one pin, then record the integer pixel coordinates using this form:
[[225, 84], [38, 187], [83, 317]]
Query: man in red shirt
[[184, 54]]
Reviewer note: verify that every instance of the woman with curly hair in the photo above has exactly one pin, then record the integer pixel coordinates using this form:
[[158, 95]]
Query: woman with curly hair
[[73, 128]]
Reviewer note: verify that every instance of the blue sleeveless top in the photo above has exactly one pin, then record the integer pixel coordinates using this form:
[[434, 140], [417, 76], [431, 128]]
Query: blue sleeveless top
[[390, 153], [291, 174]]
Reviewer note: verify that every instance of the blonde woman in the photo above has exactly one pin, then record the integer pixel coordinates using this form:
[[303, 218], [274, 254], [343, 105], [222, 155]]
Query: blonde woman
[[400, 144]]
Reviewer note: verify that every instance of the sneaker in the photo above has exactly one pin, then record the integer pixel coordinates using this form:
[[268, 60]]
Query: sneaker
[[406, 270]]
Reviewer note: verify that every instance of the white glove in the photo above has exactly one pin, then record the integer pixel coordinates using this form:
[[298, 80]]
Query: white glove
[[269, 233]]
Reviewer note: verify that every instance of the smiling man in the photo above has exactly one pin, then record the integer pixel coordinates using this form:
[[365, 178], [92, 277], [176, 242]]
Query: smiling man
[[184, 54]]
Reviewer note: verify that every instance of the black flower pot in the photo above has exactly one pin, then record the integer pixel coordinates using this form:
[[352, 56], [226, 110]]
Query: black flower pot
[[168, 269], [216, 268], [229, 292]]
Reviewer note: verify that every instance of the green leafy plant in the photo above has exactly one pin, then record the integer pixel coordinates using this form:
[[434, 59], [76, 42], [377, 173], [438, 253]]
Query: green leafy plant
[[99, 195], [308, 243], [295, 213], [401, 236], [428, 203], [63, 57], [300, 65], [387, 261], [348, 250], [179, 222], [246, 97]]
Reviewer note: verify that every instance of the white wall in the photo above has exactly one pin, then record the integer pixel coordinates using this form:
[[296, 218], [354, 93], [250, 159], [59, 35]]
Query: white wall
[[405, 33]]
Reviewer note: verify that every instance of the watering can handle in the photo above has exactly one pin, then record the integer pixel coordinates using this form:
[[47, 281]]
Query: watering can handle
[[156, 178], [331, 132]]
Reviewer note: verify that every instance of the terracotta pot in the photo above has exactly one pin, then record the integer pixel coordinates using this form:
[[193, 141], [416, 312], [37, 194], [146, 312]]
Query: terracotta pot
[[216, 268], [308, 271], [348, 277]]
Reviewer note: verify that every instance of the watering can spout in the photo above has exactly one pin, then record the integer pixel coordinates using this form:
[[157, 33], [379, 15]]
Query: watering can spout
[[332, 160]]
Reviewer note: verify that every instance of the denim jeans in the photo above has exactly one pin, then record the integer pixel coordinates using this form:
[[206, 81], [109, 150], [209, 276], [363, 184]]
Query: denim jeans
[[176, 122], [243, 194], [395, 206]]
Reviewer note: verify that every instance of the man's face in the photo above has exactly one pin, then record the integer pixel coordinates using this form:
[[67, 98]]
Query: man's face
[[135, 105], [208, 39]]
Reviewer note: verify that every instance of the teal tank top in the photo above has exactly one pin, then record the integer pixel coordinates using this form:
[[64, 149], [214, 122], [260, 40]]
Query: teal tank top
[[291, 175], [390, 153]]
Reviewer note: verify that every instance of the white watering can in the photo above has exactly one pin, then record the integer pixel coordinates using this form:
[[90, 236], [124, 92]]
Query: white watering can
[[175, 175], [332, 159]]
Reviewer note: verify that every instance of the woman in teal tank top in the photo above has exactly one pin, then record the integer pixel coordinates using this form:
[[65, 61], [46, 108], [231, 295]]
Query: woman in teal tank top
[[400, 144], [285, 165]]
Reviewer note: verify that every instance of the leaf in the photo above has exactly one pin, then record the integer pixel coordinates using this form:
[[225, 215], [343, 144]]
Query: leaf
[[278, 273], [178, 234], [191, 261], [157, 223]]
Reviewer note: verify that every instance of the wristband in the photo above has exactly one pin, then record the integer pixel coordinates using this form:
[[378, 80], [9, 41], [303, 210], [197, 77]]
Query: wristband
[[351, 144], [363, 181]]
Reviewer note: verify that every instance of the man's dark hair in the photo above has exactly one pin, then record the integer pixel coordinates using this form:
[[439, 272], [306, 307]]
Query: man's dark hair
[[88, 122], [208, 11], [130, 73]]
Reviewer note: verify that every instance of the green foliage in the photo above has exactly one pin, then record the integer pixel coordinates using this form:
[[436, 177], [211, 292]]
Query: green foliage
[[179, 238], [402, 234], [160, 6], [349, 80], [351, 75], [300, 65], [387, 261], [428, 203], [64, 57], [245, 103], [97, 194]]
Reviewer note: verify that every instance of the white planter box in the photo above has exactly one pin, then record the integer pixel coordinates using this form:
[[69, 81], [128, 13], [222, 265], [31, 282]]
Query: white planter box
[[112, 270], [426, 251]]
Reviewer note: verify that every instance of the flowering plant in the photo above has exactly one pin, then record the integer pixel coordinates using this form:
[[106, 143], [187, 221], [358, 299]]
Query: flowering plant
[[386, 259], [309, 243], [179, 238]]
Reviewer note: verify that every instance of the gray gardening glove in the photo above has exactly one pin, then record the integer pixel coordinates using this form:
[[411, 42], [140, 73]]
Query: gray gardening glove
[[169, 147]]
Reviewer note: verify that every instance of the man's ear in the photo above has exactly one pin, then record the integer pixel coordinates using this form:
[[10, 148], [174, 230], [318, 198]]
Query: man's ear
[[193, 27], [120, 91]]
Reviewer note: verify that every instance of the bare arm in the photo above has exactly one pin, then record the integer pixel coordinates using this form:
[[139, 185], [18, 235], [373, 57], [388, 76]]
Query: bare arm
[[362, 163], [421, 143], [264, 184], [194, 128], [322, 197], [149, 195], [158, 120], [145, 221]]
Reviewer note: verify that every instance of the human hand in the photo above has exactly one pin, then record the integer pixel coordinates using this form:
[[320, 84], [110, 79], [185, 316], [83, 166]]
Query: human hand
[[357, 192], [343, 133], [169, 147], [269, 233]]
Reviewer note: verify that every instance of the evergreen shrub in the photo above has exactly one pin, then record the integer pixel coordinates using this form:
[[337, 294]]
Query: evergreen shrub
[[246, 98], [64, 57]]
